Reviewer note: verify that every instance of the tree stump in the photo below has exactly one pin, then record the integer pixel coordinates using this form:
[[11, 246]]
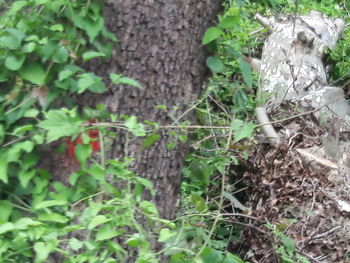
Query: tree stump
[[306, 176]]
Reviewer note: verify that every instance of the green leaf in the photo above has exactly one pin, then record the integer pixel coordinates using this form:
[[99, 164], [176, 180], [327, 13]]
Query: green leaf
[[42, 252], [46, 50], [165, 233], [34, 73], [150, 140], [149, 208], [91, 82], [147, 184], [6, 227], [200, 171], [229, 22], [245, 132], [17, 6], [49, 203], [246, 72], [137, 129], [6, 210], [68, 71], [26, 223], [119, 79], [106, 232], [215, 64], [198, 202], [230, 258], [236, 124], [135, 241], [57, 27], [22, 129], [3, 169], [25, 176], [12, 39], [92, 27], [92, 54], [53, 217], [211, 34], [60, 55], [29, 47], [210, 255], [97, 172], [31, 113], [59, 124], [14, 61], [83, 152], [75, 244], [2, 134], [98, 220]]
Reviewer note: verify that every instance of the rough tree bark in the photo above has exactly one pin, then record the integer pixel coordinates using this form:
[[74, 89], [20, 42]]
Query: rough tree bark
[[160, 46]]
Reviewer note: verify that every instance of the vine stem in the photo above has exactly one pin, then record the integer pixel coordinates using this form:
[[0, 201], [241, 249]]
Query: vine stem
[[218, 215]]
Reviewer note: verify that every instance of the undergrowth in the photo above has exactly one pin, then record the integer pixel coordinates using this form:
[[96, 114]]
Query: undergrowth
[[43, 44]]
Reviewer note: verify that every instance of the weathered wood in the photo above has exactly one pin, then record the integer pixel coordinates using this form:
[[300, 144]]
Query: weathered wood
[[291, 67]]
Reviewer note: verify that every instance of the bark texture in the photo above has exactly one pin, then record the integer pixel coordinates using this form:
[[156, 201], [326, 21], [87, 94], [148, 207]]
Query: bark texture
[[160, 46]]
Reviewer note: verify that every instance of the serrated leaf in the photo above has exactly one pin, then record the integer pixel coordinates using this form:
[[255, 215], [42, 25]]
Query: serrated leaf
[[91, 82], [245, 132], [14, 61], [92, 28], [215, 64], [98, 220], [119, 79], [211, 34], [34, 73], [58, 124], [92, 54]]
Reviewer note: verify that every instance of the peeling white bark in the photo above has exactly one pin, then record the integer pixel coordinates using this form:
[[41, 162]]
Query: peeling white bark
[[291, 66]]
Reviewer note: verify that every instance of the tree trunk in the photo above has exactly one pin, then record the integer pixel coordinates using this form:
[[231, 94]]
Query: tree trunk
[[160, 46]]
